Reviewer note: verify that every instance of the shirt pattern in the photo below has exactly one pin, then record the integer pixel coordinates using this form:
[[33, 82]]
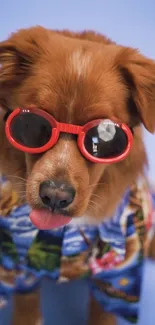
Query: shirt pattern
[[110, 255]]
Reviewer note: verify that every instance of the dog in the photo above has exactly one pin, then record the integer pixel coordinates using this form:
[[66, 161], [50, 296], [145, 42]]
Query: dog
[[81, 149]]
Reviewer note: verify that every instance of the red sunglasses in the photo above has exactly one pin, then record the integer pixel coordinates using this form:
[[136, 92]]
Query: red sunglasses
[[101, 141]]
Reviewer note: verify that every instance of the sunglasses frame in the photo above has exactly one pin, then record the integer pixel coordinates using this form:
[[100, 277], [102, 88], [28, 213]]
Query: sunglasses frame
[[58, 127]]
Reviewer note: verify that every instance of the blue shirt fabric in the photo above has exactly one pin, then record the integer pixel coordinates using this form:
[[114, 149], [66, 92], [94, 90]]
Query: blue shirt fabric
[[103, 253]]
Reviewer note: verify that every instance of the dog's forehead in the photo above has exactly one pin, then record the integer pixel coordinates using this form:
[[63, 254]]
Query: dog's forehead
[[79, 63], [80, 85]]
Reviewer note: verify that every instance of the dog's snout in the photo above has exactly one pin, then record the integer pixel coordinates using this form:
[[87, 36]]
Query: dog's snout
[[56, 195]]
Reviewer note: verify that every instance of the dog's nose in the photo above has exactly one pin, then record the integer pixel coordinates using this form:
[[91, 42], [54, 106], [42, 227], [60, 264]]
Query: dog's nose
[[56, 195]]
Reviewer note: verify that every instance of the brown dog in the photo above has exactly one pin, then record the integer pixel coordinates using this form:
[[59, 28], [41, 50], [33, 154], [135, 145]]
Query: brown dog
[[77, 78]]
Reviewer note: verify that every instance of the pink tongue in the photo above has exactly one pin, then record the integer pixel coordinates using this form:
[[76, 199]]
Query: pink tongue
[[44, 219]]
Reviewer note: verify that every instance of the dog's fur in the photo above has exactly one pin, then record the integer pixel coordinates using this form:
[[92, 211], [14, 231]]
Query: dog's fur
[[76, 77]]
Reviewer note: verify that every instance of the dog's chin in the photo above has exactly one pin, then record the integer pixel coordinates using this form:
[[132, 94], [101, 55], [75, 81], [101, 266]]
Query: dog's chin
[[45, 219], [84, 220]]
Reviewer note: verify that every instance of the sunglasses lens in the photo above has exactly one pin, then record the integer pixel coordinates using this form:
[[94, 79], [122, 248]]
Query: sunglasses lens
[[31, 130], [105, 140]]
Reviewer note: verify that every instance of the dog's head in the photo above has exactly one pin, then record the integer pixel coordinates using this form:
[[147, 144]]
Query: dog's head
[[76, 79]]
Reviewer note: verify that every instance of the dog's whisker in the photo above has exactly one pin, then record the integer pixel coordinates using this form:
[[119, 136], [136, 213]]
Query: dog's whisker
[[17, 177], [91, 207], [95, 195], [96, 204], [96, 184], [19, 184], [21, 192]]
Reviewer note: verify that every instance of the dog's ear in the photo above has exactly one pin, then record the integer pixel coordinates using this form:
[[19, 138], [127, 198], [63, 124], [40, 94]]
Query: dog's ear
[[138, 73], [17, 56]]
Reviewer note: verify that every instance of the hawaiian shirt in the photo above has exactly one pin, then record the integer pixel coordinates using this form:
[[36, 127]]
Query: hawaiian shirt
[[110, 255]]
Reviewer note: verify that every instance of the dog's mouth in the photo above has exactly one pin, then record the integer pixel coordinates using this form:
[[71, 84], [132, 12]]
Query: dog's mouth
[[45, 219]]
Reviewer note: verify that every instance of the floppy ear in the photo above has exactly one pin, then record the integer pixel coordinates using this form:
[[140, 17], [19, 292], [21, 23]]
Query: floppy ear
[[17, 55], [139, 75]]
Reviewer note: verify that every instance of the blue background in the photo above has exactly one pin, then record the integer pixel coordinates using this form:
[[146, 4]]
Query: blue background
[[128, 22]]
